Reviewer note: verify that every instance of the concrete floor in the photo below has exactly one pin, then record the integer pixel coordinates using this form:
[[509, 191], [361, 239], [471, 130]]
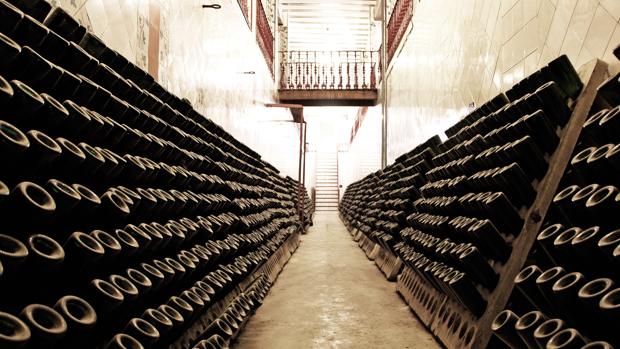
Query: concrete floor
[[330, 295]]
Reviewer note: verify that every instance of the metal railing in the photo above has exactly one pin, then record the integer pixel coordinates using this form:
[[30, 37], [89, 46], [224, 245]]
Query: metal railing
[[402, 14], [329, 70], [264, 36]]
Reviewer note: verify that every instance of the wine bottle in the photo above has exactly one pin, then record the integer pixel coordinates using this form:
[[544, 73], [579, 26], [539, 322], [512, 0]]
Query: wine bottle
[[567, 338], [47, 326], [503, 326], [15, 333], [546, 330], [527, 325]]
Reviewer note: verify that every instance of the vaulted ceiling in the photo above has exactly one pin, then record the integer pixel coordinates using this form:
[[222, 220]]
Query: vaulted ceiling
[[329, 24]]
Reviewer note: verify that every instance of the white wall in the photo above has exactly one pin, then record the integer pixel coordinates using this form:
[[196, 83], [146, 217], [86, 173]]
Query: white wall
[[364, 153], [207, 56], [466, 51], [122, 24]]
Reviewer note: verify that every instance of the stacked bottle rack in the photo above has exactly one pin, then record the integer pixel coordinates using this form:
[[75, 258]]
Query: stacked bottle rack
[[479, 202], [378, 205], [306, 208], [129, 220], [567, 294]]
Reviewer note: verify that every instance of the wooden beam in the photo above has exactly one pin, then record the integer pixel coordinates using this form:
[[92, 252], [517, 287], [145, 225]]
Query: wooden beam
[[329, 97], [297, 110]]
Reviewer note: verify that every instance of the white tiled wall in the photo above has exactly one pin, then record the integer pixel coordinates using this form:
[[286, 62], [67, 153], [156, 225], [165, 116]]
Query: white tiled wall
[[465, 51], [208, 56], [115, 21]]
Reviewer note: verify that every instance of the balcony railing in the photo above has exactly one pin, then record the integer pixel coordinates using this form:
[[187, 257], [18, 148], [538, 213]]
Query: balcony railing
[[402, 14], [329, 70]]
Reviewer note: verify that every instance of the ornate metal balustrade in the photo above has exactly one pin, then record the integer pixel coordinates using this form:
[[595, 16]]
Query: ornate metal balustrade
[[264, 35], [329, 70], [402, 14]]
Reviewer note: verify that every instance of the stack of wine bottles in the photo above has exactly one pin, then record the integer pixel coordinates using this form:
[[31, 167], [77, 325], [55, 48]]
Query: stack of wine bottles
[[568, 296], [379, 204], [469, 201], [126, 214], [304, 204]]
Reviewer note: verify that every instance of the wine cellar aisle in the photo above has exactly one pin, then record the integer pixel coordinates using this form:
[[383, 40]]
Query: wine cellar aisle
[[163, 163], [330, 295]]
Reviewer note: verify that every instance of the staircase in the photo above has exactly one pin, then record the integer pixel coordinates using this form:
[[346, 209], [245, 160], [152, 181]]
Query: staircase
[[327, 181]]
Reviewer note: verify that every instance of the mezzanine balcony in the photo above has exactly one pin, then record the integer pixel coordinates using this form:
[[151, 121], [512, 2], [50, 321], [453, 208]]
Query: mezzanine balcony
[[329, 78]]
